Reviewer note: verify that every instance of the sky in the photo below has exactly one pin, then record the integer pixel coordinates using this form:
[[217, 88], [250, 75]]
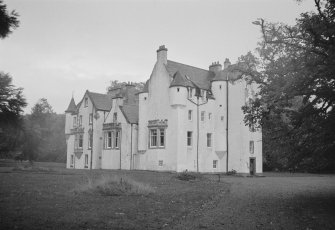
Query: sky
[[64, 47]]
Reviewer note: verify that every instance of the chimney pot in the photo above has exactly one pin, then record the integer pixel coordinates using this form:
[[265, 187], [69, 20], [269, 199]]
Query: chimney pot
[[162, 54]]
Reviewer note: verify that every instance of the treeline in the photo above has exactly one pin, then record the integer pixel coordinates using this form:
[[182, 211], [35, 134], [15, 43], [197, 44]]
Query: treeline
[[38, 136]]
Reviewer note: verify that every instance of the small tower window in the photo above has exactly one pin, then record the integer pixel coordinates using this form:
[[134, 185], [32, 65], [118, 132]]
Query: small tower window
[[209, 116], [177, 89], [145, 98], [202, 115], [220, 105], [190, 115], [220, 86], [222, 118]]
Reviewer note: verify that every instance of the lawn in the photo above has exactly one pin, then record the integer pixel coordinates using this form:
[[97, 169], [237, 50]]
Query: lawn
[[48, 196]]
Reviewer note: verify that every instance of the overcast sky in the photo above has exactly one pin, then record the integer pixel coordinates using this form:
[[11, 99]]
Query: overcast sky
[[64, 47]]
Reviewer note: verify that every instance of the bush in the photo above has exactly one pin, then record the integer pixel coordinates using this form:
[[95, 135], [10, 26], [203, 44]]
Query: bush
[[232, 172], [115, 186], [187, 176]]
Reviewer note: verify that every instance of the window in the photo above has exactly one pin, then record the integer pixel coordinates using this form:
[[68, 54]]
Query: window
[[190, 115], [115, 117], [108, 140], [160, 163], [157, 137], [161, 137], [80, 120], [220, 86], [189, 138], [203, 94], [72, 160], [86, 160], [90, 118], [202, 115], [74, 121], [251, 147], [153, 137], [215, 164], [209, 116], [190, 92], [86, 102], [116, 139], [177, 89], [209, 140], [222, 117], [80, 144], [90, 139]]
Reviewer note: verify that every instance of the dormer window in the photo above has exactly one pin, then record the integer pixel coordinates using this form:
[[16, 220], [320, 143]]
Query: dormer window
[[86, 102]]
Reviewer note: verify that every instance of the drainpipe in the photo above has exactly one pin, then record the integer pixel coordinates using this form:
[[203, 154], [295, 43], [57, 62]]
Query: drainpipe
[[131, 146], [120, 141], [227, 123], [92, 139], [197, 134]]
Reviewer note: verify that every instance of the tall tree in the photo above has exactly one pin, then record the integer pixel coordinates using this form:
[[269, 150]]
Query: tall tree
[[8, 20], [11, 104], [295, 67]]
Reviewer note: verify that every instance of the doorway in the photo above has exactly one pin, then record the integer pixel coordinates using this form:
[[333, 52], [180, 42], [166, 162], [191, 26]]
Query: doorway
[[252, 165]]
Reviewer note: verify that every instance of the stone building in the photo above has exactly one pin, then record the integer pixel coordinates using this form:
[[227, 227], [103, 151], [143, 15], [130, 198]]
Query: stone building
[[186, 118]]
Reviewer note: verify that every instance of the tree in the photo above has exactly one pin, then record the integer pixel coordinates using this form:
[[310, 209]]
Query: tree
[[44, 134], [295, 67], [8, 21], [11, 104], [117, 84]]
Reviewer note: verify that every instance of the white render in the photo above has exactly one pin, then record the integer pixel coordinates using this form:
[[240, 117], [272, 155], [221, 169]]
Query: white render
[[164, 106]]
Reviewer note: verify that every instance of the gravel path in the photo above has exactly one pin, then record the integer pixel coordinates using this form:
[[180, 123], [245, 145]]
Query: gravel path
[[295, 202]]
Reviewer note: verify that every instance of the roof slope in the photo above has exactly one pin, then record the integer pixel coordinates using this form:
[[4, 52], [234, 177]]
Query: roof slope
[[200, 77], [101, 101], [72, 107], [180, 80], [130, 112]]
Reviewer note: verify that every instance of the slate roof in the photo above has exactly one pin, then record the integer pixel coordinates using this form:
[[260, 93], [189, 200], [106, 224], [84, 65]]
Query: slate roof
[[200, 77], [181, 80], [72, 107], [130, 112], [101, 101]]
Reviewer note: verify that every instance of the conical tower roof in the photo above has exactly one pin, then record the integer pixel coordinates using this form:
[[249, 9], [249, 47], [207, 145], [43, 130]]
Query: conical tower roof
[[72, 107]]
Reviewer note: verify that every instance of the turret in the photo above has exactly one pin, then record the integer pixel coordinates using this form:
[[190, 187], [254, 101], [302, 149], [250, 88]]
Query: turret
[[178, 89], [69, 112]]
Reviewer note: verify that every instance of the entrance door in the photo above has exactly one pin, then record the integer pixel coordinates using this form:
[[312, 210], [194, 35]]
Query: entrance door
[[252, 166]]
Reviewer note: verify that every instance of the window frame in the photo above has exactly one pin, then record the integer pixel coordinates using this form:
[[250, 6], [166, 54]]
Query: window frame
[[190, 115], [90, 119], [80, 120], [251, 147], [215, 164], [209, 116], [160, 132], [74, 121], [90, 140], [86, 161], [190, 92], [209, 140], [202, 116], [116, 139], [72, 160], [189, 139], [86, 102], [80, 141], [108, 139]]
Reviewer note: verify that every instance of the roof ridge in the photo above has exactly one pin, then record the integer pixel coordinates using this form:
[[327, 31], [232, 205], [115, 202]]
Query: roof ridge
[[190, 66]]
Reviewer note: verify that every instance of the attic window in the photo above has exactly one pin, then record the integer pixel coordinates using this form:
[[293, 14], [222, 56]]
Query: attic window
[[86, 102], [177, 89]]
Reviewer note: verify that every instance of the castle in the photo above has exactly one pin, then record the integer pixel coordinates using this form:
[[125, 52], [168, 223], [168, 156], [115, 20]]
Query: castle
[[185, 118]]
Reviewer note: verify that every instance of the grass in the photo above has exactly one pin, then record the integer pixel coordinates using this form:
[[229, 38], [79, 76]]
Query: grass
[[59, 198], [114, 186]]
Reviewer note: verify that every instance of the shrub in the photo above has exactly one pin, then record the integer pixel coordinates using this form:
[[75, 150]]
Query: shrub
[[187, 176], [232, 172], [115, 186]]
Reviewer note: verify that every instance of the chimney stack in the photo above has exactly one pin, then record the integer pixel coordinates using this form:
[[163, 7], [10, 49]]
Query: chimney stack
[[226, 63], [162, 54], [215, 67]]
